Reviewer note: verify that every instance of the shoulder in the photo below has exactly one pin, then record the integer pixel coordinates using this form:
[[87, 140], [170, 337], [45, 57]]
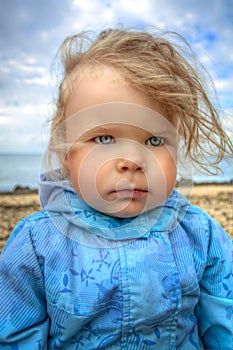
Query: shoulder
[[199, 220], [30, 221], [199, 225], [29, 228], [193, 217], [207, 237]]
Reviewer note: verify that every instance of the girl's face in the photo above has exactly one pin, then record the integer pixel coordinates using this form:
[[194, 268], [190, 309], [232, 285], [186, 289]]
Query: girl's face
[[123, 159]]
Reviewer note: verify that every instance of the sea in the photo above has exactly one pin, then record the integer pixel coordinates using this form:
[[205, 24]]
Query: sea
[[22, 170]]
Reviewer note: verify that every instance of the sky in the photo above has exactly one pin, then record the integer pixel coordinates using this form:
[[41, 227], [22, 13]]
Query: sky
[[32, 30]]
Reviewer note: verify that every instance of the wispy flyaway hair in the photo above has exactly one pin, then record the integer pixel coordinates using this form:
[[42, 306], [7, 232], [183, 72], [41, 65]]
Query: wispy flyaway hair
[[165, 71]]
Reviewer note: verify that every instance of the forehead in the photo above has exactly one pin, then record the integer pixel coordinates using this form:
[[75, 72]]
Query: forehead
[[108, 115], [92, 85], [101, 84]]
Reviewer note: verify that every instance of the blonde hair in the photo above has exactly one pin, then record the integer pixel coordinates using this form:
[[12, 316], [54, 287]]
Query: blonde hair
[[162, 71]]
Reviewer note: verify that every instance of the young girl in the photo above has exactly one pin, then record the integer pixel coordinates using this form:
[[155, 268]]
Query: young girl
[[117, 258]]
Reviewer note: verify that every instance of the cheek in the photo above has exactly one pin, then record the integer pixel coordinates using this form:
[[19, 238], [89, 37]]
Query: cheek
[[170, 171], [89, 174], [74, 164], [103, 174], [168, 166]]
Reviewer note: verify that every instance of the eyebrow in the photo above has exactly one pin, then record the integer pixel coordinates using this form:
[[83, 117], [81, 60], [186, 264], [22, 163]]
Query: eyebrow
[[96, 131], [106, 129], [165, 131]]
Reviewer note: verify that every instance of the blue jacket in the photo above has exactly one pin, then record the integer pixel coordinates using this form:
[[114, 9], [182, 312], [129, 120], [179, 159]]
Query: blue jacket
[[72, 278]]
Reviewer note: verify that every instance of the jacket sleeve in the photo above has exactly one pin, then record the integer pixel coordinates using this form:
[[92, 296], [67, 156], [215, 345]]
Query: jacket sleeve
[[24, 322], [215, 308]]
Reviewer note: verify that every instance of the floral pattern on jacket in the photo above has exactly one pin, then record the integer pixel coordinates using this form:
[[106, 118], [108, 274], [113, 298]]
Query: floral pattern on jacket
[[65, 287]]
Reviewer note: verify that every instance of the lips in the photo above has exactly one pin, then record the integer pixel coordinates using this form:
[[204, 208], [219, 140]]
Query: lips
[[131, 193]]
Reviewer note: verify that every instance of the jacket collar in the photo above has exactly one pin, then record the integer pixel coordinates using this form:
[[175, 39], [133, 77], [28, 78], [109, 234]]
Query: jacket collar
[[61, 198]]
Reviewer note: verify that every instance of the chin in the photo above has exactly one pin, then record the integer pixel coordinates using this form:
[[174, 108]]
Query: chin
[[124, 215], [127, 213]]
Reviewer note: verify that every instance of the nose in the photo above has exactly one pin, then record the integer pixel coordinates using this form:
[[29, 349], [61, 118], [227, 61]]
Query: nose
[[124, 165]]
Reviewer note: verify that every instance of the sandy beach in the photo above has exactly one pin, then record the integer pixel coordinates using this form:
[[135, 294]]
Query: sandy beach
[[217, 200]]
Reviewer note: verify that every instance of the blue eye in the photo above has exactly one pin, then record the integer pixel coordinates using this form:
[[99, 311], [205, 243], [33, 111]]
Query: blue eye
[[104, 139], [155, 141]]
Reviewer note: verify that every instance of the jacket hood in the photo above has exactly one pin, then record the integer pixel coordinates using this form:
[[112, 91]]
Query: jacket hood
[[59, 197]]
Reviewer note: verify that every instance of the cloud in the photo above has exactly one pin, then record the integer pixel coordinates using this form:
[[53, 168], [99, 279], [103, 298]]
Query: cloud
[[33, 30], [23, 127], [224, 84]]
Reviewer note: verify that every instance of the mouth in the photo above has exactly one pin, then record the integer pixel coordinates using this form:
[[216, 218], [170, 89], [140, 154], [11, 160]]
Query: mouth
[[130, 193]]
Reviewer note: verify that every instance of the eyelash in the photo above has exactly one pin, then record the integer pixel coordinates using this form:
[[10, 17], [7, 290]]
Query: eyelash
[[98, 139], [108, 139], [158, 141]]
